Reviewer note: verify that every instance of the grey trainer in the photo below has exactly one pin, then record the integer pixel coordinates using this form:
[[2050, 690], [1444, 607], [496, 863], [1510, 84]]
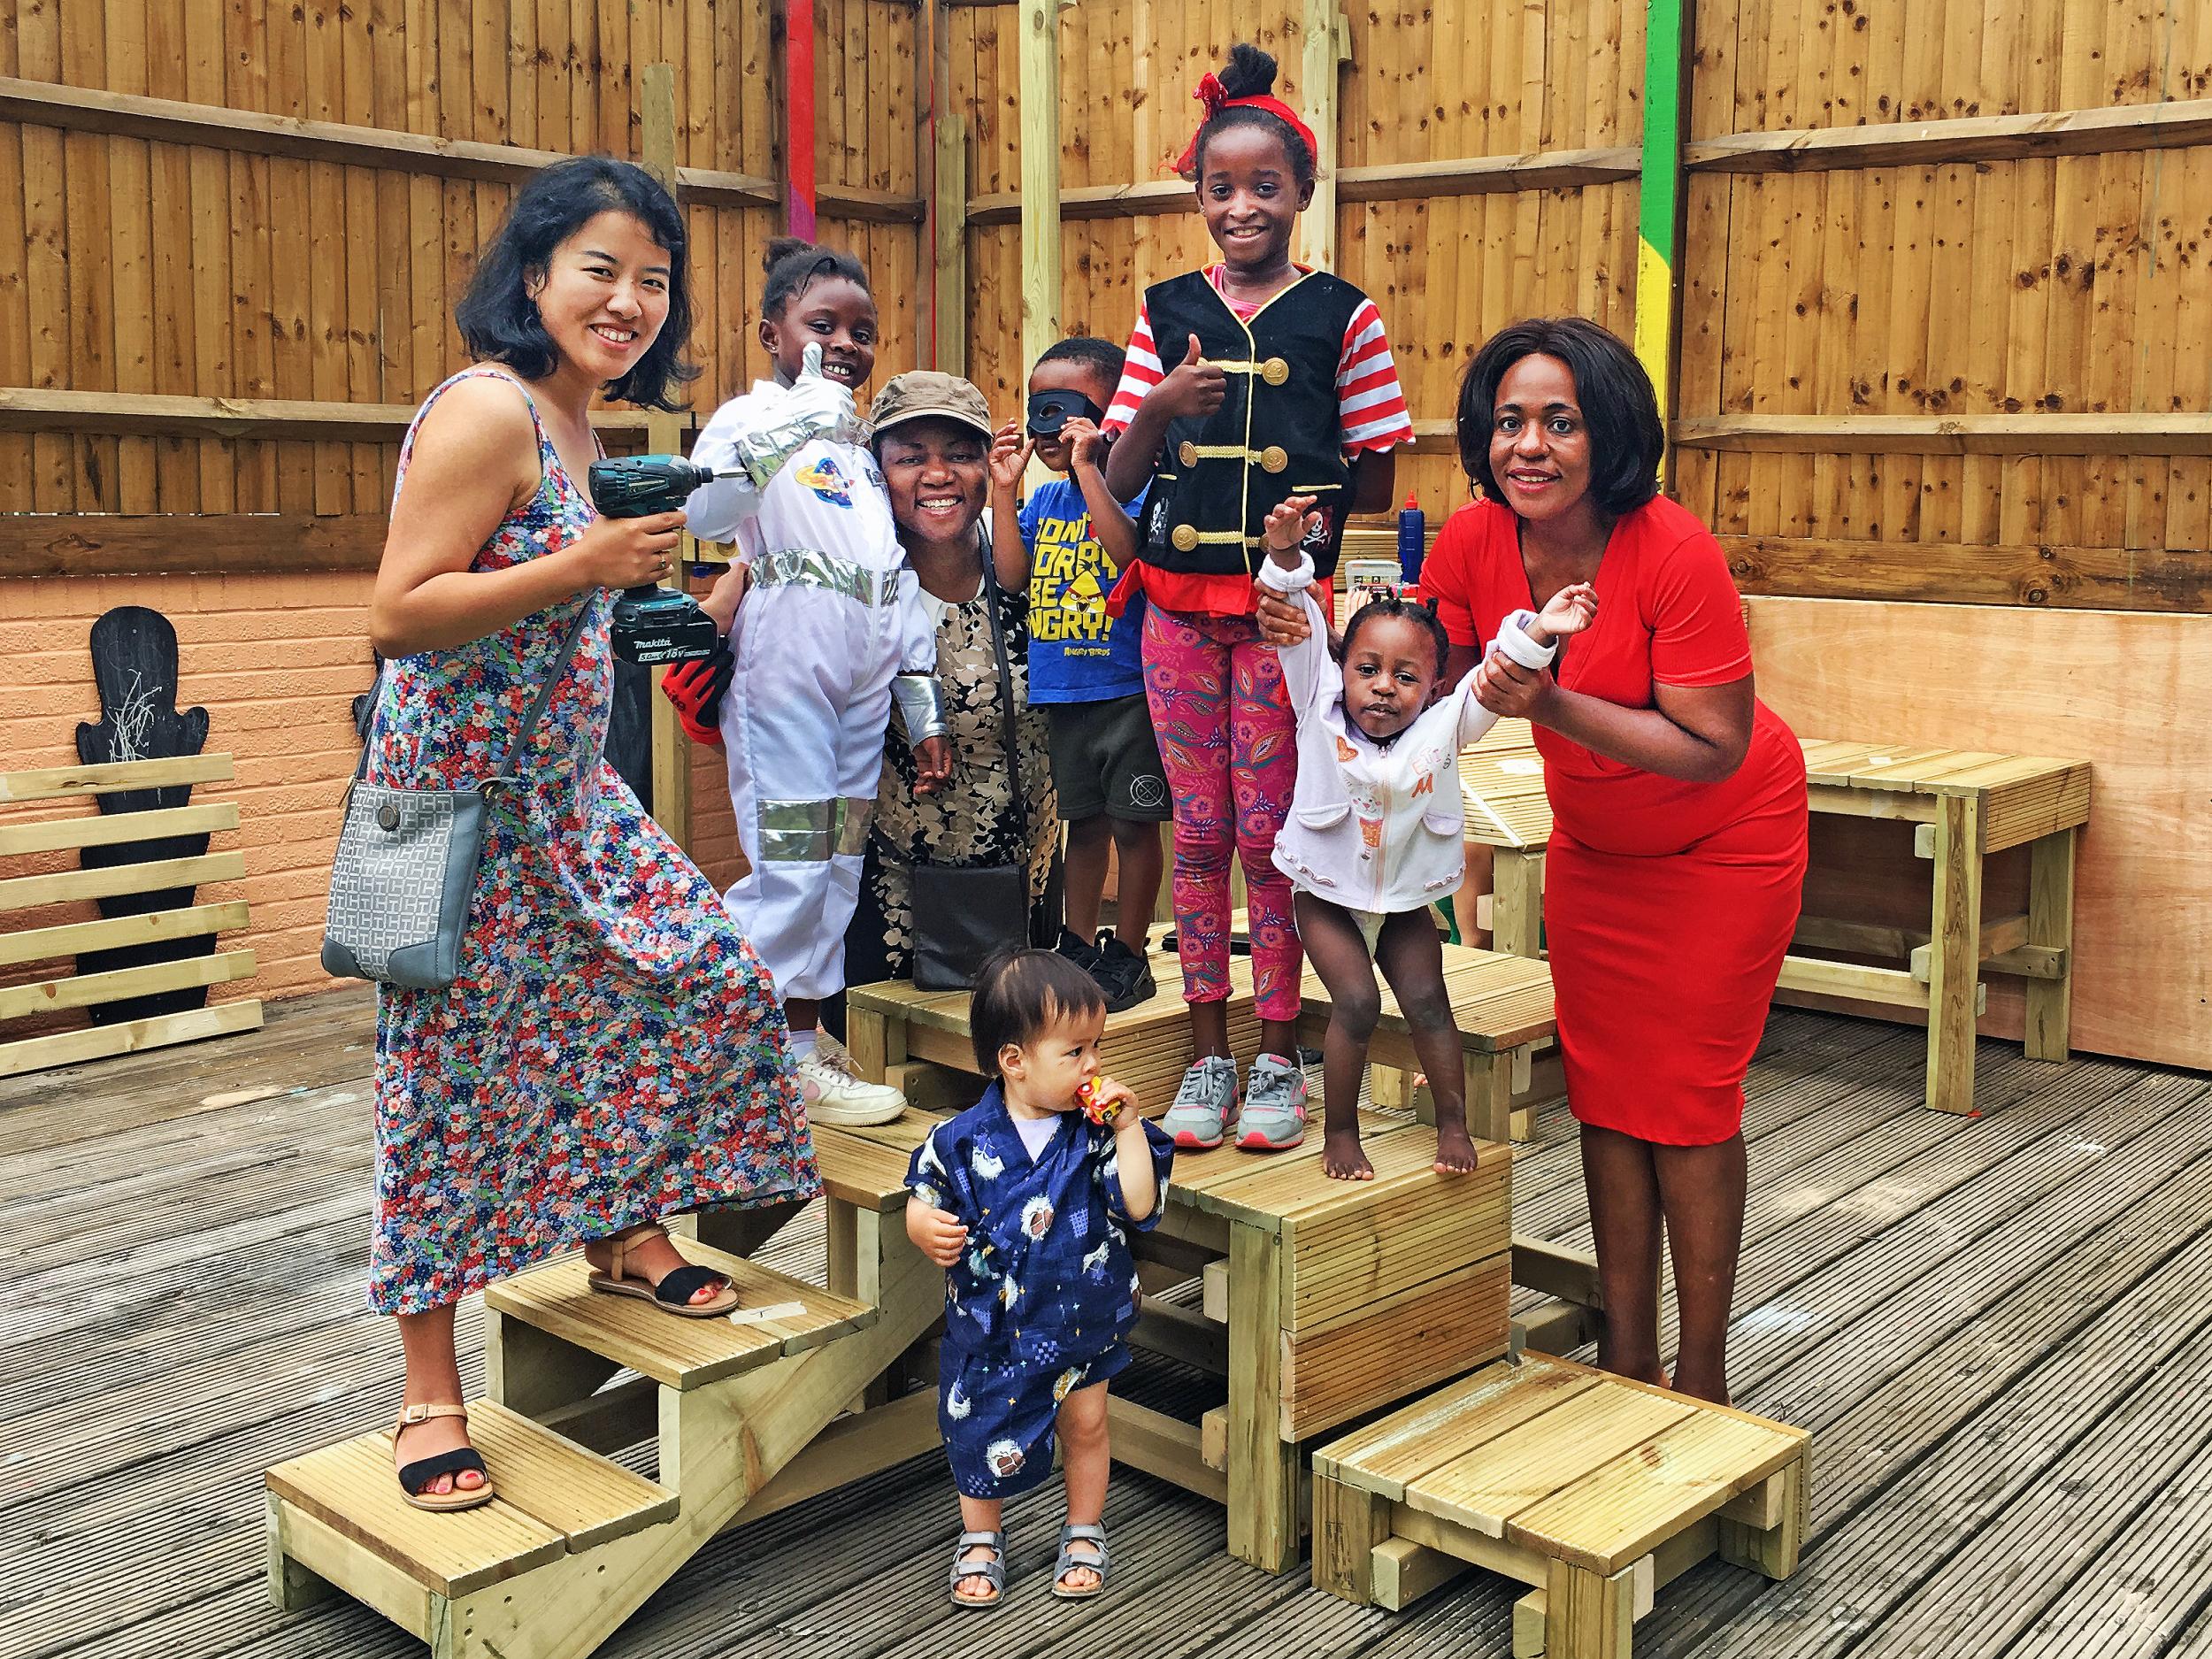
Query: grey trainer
[[1274, 1114], [1202, 1104]]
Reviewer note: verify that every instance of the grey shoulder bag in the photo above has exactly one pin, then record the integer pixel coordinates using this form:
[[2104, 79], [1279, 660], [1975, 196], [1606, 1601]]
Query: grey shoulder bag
[[405, 870]]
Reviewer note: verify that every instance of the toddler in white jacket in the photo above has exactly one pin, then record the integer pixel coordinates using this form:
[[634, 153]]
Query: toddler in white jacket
[[1377, 827]]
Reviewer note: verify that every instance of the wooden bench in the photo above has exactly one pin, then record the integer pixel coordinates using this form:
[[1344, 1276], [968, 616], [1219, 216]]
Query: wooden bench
[[151, 881], [1593, 1490], [1963, 804]]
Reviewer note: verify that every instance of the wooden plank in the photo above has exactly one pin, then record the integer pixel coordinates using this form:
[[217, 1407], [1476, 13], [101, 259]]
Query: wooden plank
[[70, 938], [1263, 1472], [122, 544], [84, 110], [2051, 927], [2166, 125], [108, 777], [2120, 433], [115, 829], [1164, 1446], [682, 1353], [1395, 1451], [32, 409], [1402, 1571], [69, 1048], [1399, 1346], [23, 893], [87, 990], [1954, 990], [568, 1490]]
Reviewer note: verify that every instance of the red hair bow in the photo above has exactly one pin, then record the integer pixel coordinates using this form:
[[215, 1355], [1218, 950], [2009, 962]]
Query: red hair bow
[[1215, 96]]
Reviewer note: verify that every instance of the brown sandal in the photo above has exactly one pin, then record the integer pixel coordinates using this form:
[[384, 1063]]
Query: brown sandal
[[415, 1477], [674, 1293]]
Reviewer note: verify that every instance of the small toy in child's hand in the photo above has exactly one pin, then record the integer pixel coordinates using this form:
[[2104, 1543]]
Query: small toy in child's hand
[[1105, 1113]]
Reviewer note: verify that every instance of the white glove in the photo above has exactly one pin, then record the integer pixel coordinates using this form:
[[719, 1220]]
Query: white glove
[[783, 424]]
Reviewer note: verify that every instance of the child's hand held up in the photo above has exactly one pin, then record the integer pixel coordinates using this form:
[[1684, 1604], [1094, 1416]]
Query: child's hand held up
[[1087, 445], [1194, 388], [1572, 609], [1104, 1102], [1289, 523], [1010, 456]]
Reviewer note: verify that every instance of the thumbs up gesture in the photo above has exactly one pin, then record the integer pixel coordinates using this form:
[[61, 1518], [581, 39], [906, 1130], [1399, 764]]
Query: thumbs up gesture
[[824, 406], [1194, 387]]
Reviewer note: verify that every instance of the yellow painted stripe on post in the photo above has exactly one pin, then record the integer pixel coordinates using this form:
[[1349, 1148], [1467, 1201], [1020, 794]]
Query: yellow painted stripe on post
[[1654, 318]]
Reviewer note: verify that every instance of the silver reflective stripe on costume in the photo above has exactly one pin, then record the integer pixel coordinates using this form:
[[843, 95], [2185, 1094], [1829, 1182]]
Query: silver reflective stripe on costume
[[921, 704], [809, 567], [813, 832], [855, 814]]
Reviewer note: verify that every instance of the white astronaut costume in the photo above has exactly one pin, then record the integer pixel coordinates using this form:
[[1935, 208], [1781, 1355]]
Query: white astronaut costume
[[832, 615]]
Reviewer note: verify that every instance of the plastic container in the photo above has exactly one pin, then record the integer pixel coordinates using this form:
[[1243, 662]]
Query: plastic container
[[1412, 542]]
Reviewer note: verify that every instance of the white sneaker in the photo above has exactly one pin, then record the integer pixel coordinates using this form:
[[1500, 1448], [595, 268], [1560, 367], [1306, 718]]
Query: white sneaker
[[834, 1094]]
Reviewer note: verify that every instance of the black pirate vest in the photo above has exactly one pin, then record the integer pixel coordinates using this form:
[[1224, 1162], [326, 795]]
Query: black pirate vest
[[1277, 433]]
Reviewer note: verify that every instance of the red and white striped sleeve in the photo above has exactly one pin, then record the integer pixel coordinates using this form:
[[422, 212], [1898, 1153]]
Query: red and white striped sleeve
[[1371, 406], [1143, 372]]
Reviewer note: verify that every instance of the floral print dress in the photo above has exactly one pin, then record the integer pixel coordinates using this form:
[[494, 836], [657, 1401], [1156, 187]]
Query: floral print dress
[[970, 821], [613, 1051]]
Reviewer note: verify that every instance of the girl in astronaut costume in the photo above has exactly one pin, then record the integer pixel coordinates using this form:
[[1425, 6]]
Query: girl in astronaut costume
[[832, 633]]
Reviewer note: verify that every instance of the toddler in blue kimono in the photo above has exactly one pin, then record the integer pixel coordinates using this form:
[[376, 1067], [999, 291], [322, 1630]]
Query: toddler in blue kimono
[[1027, 1199]]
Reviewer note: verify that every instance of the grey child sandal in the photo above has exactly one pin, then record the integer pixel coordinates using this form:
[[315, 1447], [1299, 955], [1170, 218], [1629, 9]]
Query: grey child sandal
[[993, 1570], [1071, 1535]]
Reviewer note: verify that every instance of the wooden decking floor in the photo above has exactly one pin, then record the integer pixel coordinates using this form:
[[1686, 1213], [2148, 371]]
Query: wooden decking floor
[[1997, 1328]]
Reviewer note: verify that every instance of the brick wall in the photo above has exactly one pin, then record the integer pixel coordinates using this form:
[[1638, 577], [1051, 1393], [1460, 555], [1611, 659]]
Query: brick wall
[[276, 661]]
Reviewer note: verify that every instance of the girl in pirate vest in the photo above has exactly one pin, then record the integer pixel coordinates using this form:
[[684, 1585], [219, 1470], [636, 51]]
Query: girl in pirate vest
[[1247, 381]]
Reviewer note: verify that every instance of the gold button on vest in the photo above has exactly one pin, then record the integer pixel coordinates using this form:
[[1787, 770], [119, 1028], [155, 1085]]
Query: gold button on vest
[[1189, 453], [1275, 371], [1273, 459], [1186, 537]]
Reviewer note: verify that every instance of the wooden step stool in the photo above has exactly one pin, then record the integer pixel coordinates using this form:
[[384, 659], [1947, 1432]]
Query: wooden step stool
[[575, 1544], [1591, 1489]]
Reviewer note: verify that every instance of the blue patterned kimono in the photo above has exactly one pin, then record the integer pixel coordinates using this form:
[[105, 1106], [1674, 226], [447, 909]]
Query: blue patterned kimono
[[1040, 1304]]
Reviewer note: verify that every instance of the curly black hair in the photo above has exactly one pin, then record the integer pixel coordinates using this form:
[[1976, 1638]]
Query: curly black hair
[[1384, 606], [795, 264], [1248, 73], [499, 322], [1619, 407], [1103, 355]]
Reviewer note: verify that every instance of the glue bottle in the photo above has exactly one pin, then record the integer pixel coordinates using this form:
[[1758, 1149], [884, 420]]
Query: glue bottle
[[1412, 543]]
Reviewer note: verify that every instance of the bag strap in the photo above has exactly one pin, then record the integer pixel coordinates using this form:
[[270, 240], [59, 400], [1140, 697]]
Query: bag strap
[[529, 719], [1020, 801]]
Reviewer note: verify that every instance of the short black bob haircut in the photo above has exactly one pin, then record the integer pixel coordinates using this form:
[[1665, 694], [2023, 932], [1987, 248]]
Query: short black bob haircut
[[1619, 408], [1250, 73], [795, 264], [1102, 357], [1020, 995], [499, 321], [1382, 607]]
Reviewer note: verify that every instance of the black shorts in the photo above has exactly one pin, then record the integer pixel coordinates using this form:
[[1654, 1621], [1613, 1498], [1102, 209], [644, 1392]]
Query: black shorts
[[1105, 761]]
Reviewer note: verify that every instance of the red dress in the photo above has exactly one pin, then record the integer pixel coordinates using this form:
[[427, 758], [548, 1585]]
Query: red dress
[[1668, 905]]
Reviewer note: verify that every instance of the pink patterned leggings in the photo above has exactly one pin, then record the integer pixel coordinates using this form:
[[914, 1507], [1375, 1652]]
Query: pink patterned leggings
[[1230, 745]]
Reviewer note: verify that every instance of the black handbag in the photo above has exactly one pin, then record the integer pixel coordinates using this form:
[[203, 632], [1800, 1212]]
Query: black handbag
[[962, 913]]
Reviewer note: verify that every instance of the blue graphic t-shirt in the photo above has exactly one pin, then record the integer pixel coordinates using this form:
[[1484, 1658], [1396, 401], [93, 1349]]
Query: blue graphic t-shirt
[[1077, 652]]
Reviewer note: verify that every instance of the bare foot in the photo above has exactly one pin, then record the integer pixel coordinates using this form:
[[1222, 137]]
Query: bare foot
[[1712, 1388], [431, 1438], [1455, 1150], [1343, 1158], [976, 1587], [648, 1257]]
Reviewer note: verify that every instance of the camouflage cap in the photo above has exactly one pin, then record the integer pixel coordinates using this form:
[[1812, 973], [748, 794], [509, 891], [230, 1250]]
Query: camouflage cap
[[926, 394]]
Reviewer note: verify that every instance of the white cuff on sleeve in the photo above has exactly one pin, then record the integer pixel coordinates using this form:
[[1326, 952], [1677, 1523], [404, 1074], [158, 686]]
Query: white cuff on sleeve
[[1514, 641], [1277, 579]]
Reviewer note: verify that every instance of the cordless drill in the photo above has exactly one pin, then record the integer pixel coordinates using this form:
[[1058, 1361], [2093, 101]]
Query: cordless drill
[[654, 624]]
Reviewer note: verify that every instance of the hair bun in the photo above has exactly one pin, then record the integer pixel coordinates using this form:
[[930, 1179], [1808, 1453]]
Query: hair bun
[[1250, 71], [783, 248]]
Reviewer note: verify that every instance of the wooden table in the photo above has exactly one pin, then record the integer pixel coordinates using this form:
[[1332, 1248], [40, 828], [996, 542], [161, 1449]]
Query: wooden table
[[1963, 804]]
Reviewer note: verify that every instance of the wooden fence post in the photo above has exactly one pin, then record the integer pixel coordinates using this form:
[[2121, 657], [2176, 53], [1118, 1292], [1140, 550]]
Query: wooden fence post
[[663, 435], [1040, 177], [1325, 37]]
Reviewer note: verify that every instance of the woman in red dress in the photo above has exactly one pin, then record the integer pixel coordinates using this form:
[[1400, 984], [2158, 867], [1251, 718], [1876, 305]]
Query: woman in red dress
[[1678, 851]]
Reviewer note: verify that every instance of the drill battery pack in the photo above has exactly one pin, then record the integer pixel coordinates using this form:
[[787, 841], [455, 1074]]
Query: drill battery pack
[[662, 626]]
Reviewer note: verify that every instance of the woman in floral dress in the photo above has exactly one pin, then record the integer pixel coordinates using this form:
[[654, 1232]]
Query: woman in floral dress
[[933, 435], [612, 1052]]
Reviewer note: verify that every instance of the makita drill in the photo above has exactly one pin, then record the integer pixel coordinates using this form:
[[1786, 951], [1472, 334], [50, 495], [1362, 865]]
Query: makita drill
[[652, 624]]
